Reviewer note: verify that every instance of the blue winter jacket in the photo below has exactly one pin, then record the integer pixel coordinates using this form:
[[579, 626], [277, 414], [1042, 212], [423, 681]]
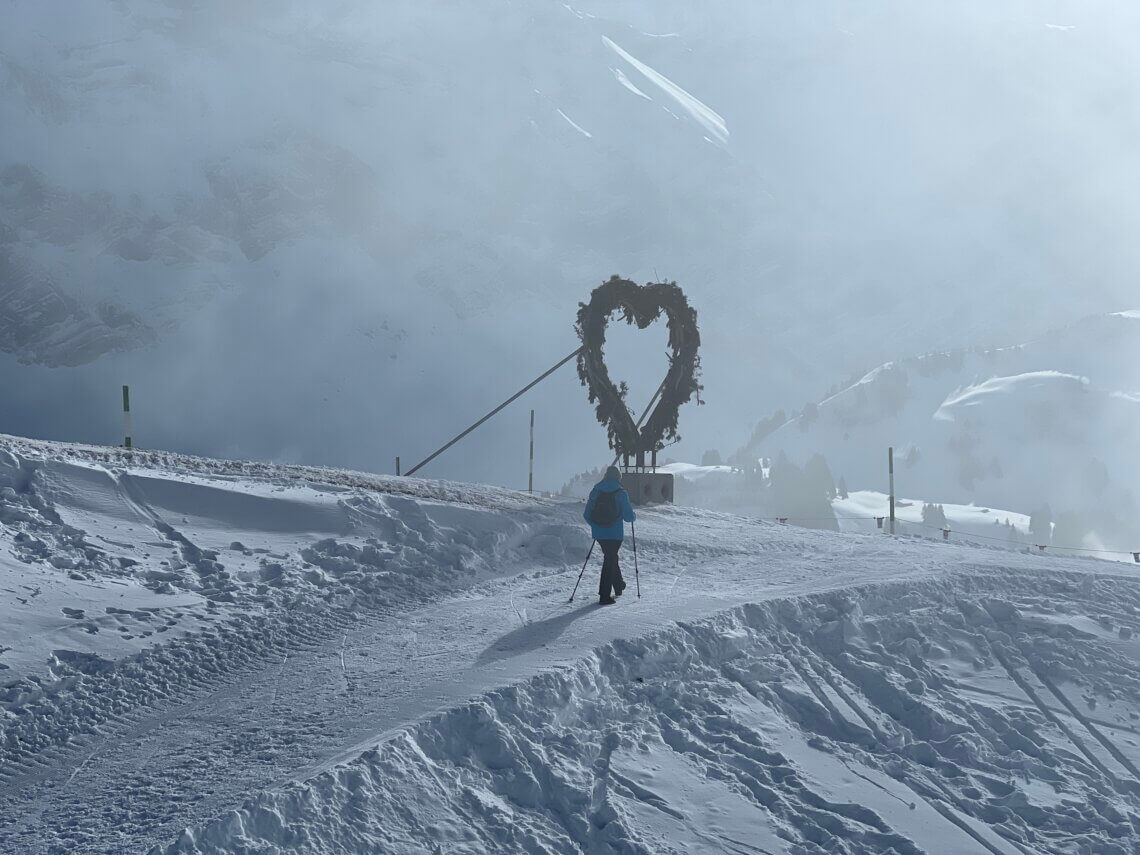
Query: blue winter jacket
[[617, 530]]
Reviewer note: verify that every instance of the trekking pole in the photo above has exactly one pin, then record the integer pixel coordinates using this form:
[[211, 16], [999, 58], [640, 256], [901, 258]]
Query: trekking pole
[[583, 573], [636, 575]]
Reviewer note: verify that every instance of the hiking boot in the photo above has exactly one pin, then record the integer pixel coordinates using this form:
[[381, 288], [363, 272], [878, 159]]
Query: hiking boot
[[619, 588], [606, 601]]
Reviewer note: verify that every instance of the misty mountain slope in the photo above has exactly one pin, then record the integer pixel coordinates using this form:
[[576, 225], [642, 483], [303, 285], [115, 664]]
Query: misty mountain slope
[[221, 656], [39, 323], [405, 191], [1014, 427]]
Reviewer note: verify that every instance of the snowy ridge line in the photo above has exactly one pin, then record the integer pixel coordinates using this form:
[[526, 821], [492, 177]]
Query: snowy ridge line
[[177, 462], [707, 733]]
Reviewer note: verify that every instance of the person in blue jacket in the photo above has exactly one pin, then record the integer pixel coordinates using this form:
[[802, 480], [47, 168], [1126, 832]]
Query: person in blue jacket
[[607, 511]]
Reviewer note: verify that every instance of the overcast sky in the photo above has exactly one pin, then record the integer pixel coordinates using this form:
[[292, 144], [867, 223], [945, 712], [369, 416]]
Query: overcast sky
[[350, 228]]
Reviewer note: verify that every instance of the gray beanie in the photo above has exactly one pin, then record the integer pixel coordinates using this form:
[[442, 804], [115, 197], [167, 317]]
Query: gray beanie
[[613, 474]]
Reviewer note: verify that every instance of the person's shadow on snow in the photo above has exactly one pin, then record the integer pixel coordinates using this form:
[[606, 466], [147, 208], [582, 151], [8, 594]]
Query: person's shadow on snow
[[531, 636]]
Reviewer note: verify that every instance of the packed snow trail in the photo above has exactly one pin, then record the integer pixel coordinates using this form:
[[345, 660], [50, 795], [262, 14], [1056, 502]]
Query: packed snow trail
[[322, 613]]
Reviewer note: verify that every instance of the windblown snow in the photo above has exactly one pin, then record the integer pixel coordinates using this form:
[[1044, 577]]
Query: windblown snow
[[205, 656]]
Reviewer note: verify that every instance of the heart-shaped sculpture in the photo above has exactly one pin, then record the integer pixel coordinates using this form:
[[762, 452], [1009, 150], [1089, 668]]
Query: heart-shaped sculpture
[[641, 305]]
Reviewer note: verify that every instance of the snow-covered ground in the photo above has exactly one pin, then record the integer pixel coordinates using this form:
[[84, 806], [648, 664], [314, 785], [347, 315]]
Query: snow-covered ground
[[225, 657], [726, 488], [1048, 420], [861, 507]]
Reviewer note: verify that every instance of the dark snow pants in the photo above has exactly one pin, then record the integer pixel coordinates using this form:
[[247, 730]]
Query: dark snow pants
[[611, 573]]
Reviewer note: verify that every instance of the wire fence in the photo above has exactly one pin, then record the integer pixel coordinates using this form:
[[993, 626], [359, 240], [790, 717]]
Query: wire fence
[[947, 531]]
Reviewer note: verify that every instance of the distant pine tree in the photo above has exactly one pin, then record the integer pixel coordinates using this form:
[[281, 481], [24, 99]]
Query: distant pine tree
[[803, 499], [1014, 535], [995, 468], [818, 475], [934, 515], [808, 416], [1041, 524]]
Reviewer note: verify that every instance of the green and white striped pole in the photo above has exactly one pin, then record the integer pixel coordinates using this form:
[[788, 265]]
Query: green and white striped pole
[[127, 416]]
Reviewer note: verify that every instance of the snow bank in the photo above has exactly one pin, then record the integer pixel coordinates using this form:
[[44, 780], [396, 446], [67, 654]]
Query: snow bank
[[985, 715], [198, 631], [159, 572]]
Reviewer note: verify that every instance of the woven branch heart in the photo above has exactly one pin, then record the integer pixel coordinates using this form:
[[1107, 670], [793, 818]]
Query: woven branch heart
[[641, 305]]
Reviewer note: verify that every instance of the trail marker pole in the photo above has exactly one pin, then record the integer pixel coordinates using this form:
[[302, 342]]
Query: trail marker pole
[[530, 474], [636, 575], [891, 470], [127, 416], [397, 464], [583, 573]]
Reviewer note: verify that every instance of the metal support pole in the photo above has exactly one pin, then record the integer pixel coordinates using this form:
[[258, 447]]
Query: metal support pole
[[644, 413], [891, 468], [495, 411], [127, 416], [530, 474]]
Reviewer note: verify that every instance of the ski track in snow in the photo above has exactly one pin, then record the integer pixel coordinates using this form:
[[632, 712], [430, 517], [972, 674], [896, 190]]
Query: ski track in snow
[[380, 664]]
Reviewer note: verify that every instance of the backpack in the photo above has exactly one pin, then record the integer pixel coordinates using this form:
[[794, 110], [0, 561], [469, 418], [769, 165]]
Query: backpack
[[605, 511]]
